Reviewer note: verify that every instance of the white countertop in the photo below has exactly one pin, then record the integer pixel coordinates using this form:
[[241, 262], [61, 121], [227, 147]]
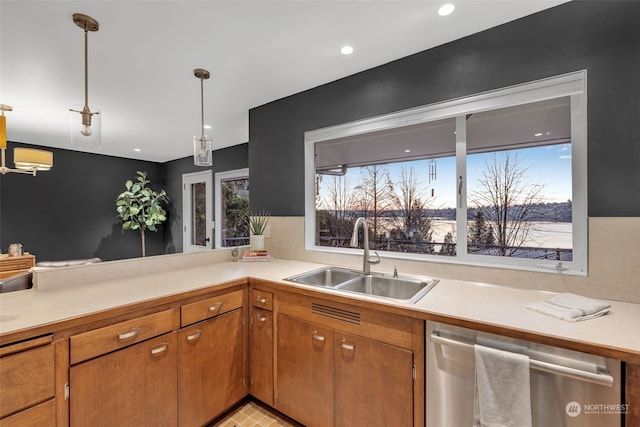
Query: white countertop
[[476, 302]]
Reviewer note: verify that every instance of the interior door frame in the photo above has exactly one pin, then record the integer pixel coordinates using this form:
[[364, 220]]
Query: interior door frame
[[187, 180]]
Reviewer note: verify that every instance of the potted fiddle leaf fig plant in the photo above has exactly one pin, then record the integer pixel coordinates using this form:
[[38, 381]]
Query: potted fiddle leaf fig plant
[[140, 207], [257, 226]]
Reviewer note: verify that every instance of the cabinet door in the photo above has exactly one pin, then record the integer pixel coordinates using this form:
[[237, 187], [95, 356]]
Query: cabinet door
[[304, 375], [27, 377], [262, 355], [135, 386], [373, 383], [211, 368]]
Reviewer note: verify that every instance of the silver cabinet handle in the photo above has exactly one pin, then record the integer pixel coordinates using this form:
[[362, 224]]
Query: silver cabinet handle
[[128, 335], [317, 337], [215, 307], [344, 345], [159, 349], [261, 300], [261, 318], [194, 336]]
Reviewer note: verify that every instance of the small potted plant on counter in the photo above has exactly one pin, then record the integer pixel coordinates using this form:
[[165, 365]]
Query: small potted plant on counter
[[257, 225]]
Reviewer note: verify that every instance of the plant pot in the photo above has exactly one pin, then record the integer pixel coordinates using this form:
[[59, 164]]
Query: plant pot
[[257, 242]]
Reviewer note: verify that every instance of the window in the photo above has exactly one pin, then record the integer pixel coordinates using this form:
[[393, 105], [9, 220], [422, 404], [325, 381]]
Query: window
[[493, 179], [232, 208]]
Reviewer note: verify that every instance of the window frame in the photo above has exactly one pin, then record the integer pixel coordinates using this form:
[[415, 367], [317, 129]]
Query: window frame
[[219, 177], [572, 84]]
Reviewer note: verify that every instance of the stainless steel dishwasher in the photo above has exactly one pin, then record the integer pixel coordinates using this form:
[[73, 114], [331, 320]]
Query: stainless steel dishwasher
[[568, 388]]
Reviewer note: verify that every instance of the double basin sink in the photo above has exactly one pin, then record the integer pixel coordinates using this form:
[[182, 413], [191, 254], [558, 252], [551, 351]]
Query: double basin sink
[[400, 288]]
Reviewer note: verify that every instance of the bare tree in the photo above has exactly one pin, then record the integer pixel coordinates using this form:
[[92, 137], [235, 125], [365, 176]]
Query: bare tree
[[411, 206], [339, 200], [375, 193], [506, 198]]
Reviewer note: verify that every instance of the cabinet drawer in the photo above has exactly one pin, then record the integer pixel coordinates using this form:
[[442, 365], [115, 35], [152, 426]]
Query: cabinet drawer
[[9, 264], [210, 307], [100, 341], [262, 299], [26, 378], [42, 415]]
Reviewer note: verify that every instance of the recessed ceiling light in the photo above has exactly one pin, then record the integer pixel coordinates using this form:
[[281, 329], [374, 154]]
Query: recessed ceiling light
[[446, 9], [538, 134], [346, 50], [137, 150], [207, 126], [407, 151]]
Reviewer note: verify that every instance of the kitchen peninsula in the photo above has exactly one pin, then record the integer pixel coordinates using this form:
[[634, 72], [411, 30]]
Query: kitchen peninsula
[[63, 327]]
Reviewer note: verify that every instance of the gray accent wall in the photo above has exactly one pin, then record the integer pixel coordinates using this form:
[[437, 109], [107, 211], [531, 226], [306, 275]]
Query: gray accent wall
[[69, 212], [602, 37]]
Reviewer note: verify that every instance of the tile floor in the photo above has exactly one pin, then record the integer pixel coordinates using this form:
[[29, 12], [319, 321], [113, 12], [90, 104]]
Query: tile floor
[[250, 414]]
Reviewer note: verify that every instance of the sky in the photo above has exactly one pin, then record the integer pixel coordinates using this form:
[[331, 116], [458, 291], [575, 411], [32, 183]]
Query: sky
[[549, 166]]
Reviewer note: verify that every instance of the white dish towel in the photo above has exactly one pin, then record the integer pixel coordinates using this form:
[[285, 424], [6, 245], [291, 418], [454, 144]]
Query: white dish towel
[[571, 307], [503, 391]]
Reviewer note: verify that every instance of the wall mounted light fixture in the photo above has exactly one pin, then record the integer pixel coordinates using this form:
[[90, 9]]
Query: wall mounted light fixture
[[202, 149], [85, 120], [27, 160]]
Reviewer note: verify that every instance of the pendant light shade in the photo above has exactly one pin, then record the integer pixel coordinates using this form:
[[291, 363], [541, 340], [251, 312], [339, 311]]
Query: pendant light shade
[[86, 127], [27, 160], [202, 151], [202, 145]]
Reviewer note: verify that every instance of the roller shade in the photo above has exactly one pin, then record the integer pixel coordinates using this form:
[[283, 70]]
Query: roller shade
[[539, 123]]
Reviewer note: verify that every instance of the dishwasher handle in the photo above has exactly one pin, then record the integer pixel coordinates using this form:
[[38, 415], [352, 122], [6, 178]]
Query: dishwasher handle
[[600, 378]]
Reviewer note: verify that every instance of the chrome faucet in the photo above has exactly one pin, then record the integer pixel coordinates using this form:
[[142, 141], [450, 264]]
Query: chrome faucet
[[366, 267]]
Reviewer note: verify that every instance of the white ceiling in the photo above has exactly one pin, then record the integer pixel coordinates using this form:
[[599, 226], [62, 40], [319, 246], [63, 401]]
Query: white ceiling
[[141, 60]]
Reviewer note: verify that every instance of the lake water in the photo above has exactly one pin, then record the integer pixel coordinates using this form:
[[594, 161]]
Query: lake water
[[544, 234]]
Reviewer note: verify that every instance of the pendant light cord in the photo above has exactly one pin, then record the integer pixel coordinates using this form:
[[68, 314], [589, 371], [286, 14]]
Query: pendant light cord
[[86, 67], [202, 108]]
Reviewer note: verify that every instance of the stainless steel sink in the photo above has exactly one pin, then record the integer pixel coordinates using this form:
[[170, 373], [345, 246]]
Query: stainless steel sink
[[327, 276], [402, 288], [398, 288]]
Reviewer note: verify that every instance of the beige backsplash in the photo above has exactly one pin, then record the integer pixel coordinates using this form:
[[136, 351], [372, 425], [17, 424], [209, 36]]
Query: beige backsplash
[[614, 261]]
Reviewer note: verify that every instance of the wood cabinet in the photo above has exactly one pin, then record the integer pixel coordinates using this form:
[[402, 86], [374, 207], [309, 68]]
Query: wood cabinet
[[181, 366], [27, 383], [340, 365], [261, 345], [378, 375], [122, 376], [211, 359], [130, 387], [11, 265], [321, 359], [305, 372], [632, 381]]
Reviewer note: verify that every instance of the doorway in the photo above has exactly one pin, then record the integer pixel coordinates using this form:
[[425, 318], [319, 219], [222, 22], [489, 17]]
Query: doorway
[[197, 212]]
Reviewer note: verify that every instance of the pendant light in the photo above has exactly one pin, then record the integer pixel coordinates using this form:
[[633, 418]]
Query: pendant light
[[27, 160], [202, 150], [85, 119]]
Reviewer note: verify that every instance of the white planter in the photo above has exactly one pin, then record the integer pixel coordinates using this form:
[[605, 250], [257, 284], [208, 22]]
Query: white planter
[[257, 242]]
